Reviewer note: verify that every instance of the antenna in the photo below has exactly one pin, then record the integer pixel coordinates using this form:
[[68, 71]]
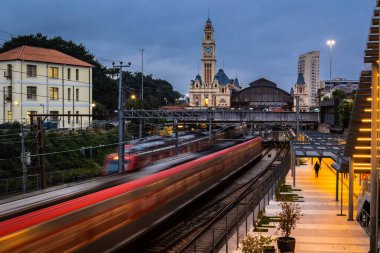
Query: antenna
[[198, 68], [208, 12], [223, 64]]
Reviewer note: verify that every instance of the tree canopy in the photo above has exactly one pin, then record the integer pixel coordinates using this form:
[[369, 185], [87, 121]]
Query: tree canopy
[[105, 82]]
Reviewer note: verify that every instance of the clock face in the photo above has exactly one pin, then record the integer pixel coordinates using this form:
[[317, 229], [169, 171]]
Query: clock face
[[207, 50]]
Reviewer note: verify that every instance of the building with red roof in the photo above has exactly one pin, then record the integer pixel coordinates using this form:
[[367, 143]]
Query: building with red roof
[[45, 81]]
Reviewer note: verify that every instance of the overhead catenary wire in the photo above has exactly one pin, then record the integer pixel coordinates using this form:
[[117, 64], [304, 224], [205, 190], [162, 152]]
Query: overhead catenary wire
[[70, 150]]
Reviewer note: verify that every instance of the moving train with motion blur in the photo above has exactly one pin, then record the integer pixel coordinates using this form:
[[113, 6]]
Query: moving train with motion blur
[[144, 154], [106, 220]]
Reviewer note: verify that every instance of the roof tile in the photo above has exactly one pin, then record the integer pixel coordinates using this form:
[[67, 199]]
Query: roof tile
[[39, 54]]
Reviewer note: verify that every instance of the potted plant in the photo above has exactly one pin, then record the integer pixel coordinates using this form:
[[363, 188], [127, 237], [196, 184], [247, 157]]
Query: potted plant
[[256, 243], [289, 217]]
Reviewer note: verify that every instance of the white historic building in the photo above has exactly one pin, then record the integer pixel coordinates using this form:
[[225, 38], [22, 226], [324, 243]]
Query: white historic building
[[308, 65], [300, 91], [44, 81], [212, 89]]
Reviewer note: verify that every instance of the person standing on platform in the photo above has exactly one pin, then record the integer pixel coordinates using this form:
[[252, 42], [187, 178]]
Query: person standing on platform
[[316, 169]]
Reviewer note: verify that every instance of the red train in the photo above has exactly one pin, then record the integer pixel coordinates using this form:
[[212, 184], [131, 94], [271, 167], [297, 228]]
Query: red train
[[106, 220], [147, 153]]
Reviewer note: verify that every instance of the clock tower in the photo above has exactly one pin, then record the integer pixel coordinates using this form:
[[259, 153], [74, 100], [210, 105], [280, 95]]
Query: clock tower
[[208, 54]]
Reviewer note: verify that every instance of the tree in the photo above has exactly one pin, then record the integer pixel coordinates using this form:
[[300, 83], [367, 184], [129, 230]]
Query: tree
[[105, 85], [340, 94], [344, 112], [289, 217]]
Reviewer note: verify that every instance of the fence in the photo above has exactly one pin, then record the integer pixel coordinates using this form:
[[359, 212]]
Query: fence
[[242, 212]]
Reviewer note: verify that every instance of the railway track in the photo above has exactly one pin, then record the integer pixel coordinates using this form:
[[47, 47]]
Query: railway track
[[205, 229]]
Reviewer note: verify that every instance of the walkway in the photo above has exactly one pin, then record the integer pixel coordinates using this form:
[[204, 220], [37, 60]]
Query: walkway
[[320, 229]]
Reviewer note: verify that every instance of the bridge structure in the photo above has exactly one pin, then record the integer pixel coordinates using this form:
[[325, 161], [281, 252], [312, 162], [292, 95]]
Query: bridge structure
[[225, 116]]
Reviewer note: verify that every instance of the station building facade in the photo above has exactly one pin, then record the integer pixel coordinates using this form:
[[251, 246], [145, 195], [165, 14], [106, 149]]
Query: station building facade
[[211, 88], [262, 94], [44, 81]]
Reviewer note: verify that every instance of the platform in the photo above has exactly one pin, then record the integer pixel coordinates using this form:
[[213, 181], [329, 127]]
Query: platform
[[320, 229]]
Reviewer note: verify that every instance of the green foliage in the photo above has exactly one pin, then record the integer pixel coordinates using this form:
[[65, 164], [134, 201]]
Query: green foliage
[[66, 161], [340, 94], [284, 193], [105, 89], [289, 217], [325, 98], [344, 112], [255, 243]]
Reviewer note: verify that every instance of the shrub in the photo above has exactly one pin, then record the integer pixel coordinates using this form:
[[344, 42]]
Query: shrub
[[255, 243], [289, 217]]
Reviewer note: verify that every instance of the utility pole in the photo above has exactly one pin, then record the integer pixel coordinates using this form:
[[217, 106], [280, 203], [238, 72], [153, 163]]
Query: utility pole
[[120, 109], [23, 162], [142, 90], [41, 151]]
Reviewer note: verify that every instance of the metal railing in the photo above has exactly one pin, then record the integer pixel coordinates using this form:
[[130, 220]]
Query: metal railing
[[364, 221], [218, 232]]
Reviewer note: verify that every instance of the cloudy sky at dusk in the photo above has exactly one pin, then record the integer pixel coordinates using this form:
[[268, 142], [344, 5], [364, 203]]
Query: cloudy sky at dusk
[[254, 38]]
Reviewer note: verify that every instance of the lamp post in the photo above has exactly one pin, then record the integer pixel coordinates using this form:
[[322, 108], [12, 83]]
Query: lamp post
[[166, 101], [330, 43], [43, 108]]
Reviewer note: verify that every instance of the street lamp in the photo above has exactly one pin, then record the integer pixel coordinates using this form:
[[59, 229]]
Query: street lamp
[[330, 43], [43, 108], [166, 101]]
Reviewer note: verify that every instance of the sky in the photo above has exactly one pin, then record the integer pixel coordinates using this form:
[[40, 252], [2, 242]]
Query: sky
[[254, 38]]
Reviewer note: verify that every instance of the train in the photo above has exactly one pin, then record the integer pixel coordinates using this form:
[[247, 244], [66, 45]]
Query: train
[[106, 220], [140, 155]]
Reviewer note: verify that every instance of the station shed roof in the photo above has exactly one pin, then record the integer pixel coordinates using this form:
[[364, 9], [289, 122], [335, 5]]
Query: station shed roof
[[322, 145]]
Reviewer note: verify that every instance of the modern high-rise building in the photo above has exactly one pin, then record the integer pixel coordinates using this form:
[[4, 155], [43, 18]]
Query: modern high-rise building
[[308, 66]]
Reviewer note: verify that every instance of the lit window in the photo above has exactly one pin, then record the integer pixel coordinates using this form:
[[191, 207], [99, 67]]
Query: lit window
[[31, 92], [53, 93], [10, 116], [31, 70], [53, 72], [28, 114]]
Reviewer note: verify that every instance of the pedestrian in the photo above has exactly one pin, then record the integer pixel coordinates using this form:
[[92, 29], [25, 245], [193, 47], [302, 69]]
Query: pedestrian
[[316, 169]]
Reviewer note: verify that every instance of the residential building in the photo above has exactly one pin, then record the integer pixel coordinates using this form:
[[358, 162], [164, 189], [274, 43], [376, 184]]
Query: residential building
[[45, 81], [212, 89], [308, 65]]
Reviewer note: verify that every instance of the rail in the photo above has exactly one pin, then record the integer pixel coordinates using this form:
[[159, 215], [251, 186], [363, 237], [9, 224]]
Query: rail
[[232, 216]]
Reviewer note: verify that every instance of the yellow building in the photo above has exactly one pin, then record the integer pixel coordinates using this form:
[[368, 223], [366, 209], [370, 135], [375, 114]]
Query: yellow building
[[44, 81], [211, 89]]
